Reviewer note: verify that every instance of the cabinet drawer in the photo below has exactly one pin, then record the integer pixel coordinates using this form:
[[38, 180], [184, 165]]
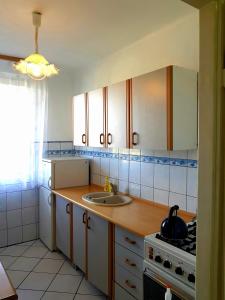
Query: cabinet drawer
[[129, 282], [129, 260], [121, 294], [129, 240]]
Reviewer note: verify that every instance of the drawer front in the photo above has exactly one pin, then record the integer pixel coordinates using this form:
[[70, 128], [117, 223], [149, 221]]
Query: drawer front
[[129, 260], [130, 240], [121, 294], [129, 282]]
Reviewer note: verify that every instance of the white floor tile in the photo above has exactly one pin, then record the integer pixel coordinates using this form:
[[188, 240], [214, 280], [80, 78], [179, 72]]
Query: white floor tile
[[37, 281], [29, 243], [65, 284], [38, 243], [67, 269], [14, 250], [48, 266], [24, 264], [87, 288], [54, 255], [29, 295], [7, 260], [89, 297], [2, 249], [57, 296], [17, 277], [35, 252]]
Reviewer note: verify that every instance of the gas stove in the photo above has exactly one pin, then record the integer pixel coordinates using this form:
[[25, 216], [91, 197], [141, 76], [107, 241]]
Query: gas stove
[[174, 260]]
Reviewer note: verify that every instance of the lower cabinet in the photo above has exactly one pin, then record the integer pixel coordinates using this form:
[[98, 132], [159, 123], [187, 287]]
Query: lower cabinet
[[63, 225], [121, 294]]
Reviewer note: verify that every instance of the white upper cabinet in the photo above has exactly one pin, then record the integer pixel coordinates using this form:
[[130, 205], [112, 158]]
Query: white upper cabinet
[[117, 115], [79, 113], [164, 110], [96, 136]]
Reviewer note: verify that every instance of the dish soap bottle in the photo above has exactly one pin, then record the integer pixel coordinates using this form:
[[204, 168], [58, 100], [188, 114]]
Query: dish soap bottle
[[168, 295], [107, 186]]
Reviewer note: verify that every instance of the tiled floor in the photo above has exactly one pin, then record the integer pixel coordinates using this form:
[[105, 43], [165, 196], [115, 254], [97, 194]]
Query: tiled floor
[[37, 273]]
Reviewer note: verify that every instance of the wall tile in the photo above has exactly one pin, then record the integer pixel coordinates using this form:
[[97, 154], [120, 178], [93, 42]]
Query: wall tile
[[161, 196], [178, 199], [147, 174], [29, 232], [66, 145], [134, 189], [114, 168], [15, 235], [135, 172], [178, 179], [105, 166], [3, 202], [161, 177], [14, 218], [178, 154], [13, 200], [192, 182], [29, 198], [147, 193], [192, 204], [123, 170], [3, 238], [95, 165], [96, 179], [3, 221], [29, 215], [123, 186]]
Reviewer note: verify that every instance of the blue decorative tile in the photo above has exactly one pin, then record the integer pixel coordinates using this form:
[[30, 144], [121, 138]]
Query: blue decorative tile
[[147, 159], [192, 163], [124, 156], [161, 160], [178, 162], [135, 157]]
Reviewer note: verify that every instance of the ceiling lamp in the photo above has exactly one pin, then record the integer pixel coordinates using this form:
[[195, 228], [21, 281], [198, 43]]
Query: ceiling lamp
[[35, 65]]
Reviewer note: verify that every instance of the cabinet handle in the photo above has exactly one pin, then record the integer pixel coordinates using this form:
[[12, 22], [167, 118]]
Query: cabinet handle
[[84, 217], [128, 240], [84, 138], [130, 285], [109, 138], [134, 140], [88, 226], [49, 182], [68, 208], [50, 199], [101, 138], [129, 263]]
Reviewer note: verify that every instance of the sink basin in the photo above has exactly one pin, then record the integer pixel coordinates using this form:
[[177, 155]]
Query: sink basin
[[106, 199]]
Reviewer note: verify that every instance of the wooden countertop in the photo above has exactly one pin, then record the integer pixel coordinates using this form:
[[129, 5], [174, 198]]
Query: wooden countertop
[[142, 217], [7, 290]]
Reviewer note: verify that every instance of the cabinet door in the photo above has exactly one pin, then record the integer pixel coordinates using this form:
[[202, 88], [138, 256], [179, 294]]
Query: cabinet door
[[63, 213], [79, 113], [46, 213], [117, 115], [46, 175], [79, 237], [98, 252], [149, 110], [96, 118]]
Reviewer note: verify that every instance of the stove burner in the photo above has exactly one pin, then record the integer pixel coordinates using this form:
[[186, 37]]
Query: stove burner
[[188, 244]]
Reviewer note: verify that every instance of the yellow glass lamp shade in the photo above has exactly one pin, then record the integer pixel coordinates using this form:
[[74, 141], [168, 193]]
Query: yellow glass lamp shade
[[36, 66]]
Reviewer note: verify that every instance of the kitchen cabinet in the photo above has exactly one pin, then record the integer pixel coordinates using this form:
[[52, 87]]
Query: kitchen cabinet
[[79, 237], [163, 114], [117, 115], [80, 119], [96, 118], [63, 225]]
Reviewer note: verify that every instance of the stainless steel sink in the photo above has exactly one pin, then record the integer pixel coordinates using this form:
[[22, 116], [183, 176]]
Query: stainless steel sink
[[106, 199]]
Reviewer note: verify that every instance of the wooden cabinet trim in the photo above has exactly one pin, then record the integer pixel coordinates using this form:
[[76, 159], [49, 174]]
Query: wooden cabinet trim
[[105, 117], [129, 114], [111, 259], [86, 119], [86, 246], [169, 103], [71, 231]]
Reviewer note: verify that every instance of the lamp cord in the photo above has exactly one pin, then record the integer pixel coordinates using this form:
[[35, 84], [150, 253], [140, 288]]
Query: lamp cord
[[36, 39]]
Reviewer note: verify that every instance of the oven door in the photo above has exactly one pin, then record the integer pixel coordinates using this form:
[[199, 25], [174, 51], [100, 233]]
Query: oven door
[[155, 282]]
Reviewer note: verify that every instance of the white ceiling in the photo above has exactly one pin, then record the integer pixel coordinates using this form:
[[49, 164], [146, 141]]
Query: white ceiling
[[79, 32]]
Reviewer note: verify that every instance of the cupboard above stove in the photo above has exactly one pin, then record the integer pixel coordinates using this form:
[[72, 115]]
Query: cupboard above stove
[[156, 111]]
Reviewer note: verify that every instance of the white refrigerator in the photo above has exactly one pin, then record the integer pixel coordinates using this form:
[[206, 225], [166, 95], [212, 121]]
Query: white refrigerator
[[58, 173]]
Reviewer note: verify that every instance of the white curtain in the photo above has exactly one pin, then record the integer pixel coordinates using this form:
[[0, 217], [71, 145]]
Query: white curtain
[[23, 104]]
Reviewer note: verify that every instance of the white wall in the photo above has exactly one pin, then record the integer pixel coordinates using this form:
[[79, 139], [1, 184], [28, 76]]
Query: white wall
[[177, 44]]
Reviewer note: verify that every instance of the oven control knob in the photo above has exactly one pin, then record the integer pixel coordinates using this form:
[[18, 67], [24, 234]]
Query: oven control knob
[[167, 264], [191, 277], [179, 271], [158, 259]]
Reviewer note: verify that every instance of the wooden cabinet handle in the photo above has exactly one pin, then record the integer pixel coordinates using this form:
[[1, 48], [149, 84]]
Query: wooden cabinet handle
[[129, 263], [88, 226], [134, 138], [109, 138], [128, 240], [101, 138], [84, 218], [68, 208], [84, 138], [130, 285]]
